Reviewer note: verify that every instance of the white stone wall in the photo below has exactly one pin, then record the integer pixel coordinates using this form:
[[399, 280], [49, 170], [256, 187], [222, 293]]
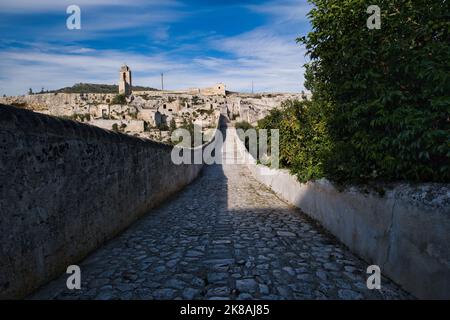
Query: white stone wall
[[133, 126]]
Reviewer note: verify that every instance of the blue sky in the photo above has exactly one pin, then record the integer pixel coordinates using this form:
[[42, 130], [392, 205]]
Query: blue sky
[[195, 43]]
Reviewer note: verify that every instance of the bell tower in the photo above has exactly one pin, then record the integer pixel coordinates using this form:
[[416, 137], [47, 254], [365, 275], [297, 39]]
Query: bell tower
[[125, 80]]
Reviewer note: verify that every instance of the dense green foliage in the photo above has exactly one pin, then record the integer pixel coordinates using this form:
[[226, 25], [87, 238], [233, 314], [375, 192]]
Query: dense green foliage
[[244, 125], [381, 104], [304, 142], [119, 99], [96, 88]]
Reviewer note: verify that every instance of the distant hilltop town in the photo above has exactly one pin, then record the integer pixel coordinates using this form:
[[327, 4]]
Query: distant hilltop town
[[151, 113]]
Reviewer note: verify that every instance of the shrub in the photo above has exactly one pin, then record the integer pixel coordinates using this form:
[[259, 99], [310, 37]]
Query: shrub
[[119, 99], [304, 140], [205, 111], [380, 106], [244, 125], [173, 125]]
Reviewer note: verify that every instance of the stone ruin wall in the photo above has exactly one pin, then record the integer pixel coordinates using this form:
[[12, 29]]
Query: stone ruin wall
[[152, 107]]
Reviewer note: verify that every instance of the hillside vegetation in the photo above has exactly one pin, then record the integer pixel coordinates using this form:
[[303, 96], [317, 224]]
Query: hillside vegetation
[[97, 88]]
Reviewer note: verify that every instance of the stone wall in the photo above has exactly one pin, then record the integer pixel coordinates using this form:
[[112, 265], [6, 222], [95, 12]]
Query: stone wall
[[406, 232], [66, 188], [130, 126], [60, 104]]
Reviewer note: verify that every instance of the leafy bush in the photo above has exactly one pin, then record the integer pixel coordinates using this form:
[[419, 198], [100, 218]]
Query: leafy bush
[[380, 107], [304, 141], [173, 125], [205, 111], [192, 128], [119, 99], [83, 117], [244, 125]]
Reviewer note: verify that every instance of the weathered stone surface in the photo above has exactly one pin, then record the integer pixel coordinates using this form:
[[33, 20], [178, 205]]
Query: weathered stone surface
[[246, 285], [347, 294], [285, 234], [190, 293]]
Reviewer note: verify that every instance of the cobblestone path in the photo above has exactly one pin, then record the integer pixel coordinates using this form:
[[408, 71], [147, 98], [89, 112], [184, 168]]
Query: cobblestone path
[[225, 236]]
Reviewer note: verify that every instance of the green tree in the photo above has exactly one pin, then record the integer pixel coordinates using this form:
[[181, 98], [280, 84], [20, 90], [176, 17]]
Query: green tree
[[381, 105], [119, 99], [385, 93]]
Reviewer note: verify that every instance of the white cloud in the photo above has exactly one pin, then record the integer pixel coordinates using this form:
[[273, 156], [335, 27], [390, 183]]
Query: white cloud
[[52, 69], [35, 6], [268, 55], [283, 11], [36, 69]]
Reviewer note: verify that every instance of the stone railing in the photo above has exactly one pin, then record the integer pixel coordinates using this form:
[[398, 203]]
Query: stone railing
[[68, 187], [406, 232]]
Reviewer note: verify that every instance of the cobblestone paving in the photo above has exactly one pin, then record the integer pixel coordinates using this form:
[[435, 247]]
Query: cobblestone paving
[[225, 236]]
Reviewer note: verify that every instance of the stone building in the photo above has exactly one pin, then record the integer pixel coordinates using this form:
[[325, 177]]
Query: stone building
[[151, 116], [218, 90], [125, 80]]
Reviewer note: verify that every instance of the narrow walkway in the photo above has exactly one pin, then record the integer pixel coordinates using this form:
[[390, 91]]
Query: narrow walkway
[[225, 236]]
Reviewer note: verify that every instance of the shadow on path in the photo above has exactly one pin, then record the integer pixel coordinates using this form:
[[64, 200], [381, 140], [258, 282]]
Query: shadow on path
[[226, 236]]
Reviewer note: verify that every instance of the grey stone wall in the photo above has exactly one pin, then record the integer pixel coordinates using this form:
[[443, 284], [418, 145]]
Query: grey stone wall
[[406, 232], [66, 188]]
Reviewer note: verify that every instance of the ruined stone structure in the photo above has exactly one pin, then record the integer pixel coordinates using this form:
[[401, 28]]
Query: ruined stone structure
[[125, 86], [153, 109], [147, 111], [218, 90]]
